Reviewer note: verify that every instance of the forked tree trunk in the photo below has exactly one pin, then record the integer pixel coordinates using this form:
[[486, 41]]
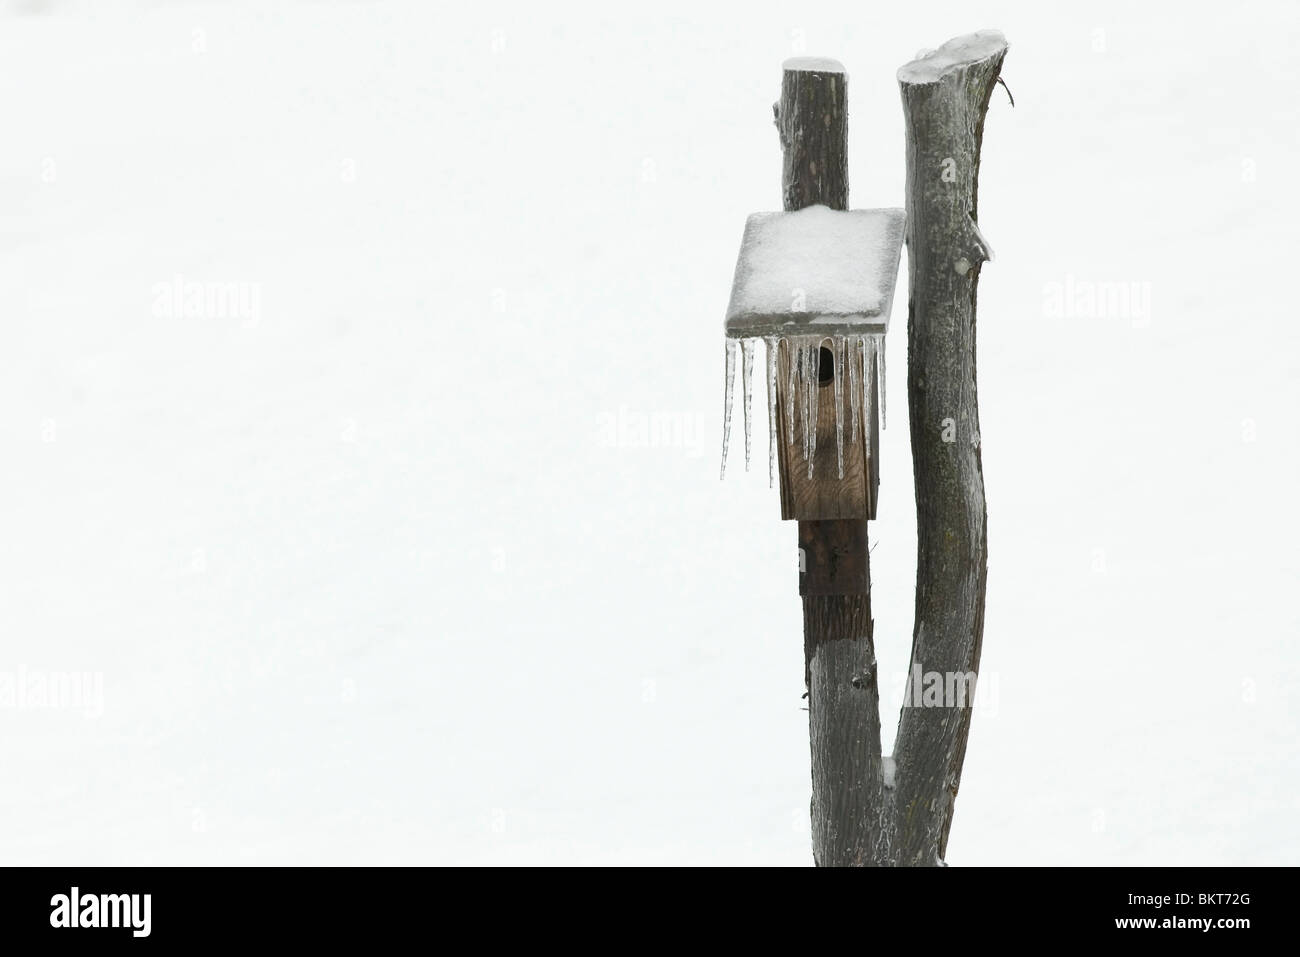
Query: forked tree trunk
[[864, 812]]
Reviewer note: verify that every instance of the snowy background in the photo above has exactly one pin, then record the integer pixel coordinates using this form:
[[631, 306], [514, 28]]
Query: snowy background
[[420, 554]]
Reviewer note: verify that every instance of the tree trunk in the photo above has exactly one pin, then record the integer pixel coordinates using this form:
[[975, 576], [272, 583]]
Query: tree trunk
[[863, 811], [945, 96], [812, 120], [839, 657]]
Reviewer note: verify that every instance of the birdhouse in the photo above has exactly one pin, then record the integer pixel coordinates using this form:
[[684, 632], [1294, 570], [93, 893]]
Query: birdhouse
[[817, 287]]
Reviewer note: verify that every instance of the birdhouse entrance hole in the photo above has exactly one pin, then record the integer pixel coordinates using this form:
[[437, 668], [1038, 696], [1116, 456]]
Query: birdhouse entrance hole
[[825, 367]]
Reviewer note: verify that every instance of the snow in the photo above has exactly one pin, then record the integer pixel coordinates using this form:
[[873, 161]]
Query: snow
[[812, 64], [832, 271], [428, 562], [960, 51]]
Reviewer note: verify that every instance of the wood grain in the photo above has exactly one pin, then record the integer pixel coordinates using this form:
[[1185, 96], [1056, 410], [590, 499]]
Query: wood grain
[[826, 495]]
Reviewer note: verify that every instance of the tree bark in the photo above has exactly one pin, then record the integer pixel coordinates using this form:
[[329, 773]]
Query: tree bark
[[850, 814], [812, 120], [945, 96], [839, 656]]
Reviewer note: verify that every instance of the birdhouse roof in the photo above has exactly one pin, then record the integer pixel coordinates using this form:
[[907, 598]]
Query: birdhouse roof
[[817, 271]]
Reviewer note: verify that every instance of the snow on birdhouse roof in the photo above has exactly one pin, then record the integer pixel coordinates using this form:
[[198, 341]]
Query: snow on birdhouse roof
[[817, 271]]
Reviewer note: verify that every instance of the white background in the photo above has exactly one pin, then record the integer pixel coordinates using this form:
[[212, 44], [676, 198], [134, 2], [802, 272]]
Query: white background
[[390, 574]]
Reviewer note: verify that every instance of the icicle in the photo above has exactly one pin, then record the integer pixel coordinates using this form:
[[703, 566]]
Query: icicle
[[805, 398], [792, 358], [868, 358], [726, 402], [855, 397], [772, 346], [839, 403], [880, 370], [746, 374], [814, 385]]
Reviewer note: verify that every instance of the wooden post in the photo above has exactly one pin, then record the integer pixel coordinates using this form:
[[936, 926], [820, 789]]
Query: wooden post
[[945, 97], [839, 656]]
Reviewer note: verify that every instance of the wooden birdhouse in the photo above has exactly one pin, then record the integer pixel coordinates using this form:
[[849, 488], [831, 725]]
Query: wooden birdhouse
[[816, 286]]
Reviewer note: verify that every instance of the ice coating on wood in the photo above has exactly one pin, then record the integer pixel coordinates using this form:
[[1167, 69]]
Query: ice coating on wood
[[958, 52], [816, 271], [854, 357]]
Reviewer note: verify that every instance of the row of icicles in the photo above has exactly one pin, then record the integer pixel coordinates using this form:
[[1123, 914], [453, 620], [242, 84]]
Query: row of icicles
[[856, 353]]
